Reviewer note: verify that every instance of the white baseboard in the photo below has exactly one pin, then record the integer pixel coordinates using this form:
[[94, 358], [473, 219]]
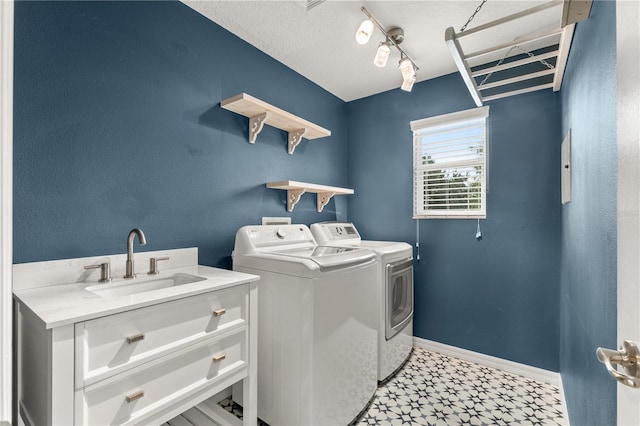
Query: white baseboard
[[546, 376], [565, 411]]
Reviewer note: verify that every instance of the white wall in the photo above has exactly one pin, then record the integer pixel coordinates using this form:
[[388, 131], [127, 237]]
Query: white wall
[[628, 111], [6, 198]]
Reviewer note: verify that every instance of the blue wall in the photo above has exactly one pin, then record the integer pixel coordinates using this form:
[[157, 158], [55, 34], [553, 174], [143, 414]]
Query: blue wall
[[118, 125], [498, 296], [588, 279]]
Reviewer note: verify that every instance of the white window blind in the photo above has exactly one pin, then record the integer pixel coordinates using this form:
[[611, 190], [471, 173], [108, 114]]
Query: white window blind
[[449, 165]]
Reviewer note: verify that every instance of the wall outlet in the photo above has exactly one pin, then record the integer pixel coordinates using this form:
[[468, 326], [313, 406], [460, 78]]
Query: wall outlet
[[276, 221]]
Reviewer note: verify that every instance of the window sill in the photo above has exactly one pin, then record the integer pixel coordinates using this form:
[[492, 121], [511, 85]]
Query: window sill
[[450, 216]]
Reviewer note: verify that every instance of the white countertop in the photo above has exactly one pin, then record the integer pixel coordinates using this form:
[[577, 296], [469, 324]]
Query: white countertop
[[63, 304]]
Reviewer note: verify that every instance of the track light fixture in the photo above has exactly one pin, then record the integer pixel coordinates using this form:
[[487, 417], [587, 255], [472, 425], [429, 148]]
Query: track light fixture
[[382, 55], [393, 37], [364, 31], [407, 83], [408, 73], [406, 67]]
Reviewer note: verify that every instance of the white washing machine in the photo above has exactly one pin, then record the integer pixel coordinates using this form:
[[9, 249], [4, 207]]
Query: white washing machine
[[395, 291], [317, 325]]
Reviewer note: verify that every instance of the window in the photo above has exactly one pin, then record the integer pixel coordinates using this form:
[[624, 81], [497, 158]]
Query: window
[[449, 165]]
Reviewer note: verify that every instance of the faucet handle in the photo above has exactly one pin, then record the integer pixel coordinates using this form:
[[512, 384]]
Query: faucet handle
[[153, 265], [105, 271]]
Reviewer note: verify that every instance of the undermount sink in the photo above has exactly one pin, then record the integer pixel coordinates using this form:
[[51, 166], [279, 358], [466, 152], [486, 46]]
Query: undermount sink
[[127, 288]]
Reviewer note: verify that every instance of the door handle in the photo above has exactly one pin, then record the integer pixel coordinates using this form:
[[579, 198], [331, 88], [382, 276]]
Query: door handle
[[628, 357]]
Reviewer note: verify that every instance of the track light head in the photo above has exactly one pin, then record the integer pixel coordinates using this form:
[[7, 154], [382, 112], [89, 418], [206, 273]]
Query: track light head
[[382, 55], [408, 73], [406, 68], [364, 31], [407, 83]]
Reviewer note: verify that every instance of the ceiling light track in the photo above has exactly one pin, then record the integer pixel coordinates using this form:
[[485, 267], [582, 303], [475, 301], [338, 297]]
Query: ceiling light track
[[393, 37], [313, 3]]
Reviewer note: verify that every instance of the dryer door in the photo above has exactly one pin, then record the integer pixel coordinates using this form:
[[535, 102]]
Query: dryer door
[[399, 296]]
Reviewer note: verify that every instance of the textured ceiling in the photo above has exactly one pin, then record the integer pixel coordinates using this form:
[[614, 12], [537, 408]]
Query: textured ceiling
[[320, 43]]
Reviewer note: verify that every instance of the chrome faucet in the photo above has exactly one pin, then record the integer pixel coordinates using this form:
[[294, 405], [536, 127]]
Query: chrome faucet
[[129, 266]]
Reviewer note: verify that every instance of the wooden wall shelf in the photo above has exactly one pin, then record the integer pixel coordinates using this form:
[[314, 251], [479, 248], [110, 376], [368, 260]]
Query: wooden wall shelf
[[261, 113], [296, 189]]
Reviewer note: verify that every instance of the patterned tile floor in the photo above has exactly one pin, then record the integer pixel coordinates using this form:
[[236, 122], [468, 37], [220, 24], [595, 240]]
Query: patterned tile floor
[[436, 389]]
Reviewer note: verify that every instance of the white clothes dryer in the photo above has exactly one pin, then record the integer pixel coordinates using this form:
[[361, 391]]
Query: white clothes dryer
[[317, 329], [394, 291]]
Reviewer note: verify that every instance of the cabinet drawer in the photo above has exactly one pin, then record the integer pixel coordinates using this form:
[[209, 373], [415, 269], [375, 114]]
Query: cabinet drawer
[[134, 395], [115, 343]]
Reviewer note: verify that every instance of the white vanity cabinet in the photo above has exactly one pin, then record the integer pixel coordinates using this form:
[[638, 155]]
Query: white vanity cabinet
[[144, 365]]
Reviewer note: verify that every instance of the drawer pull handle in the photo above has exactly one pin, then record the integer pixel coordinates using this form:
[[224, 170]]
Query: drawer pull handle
[[136, 338], [134, 396], [219, 312], [219, 358]]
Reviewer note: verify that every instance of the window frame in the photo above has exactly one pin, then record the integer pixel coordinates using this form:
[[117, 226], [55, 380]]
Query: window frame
[[417, 126]]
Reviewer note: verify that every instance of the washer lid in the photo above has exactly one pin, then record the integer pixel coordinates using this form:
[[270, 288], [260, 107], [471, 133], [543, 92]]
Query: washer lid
[[388, 248], [327, 257]]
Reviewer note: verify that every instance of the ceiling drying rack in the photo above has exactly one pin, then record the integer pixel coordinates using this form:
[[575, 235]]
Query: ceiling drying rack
[[531, 62]]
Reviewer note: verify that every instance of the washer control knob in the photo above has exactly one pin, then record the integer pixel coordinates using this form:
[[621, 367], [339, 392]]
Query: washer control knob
[[281, 233]]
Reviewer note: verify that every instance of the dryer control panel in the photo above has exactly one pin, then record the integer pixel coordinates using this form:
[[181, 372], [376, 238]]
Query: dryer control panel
[[326, 232]]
